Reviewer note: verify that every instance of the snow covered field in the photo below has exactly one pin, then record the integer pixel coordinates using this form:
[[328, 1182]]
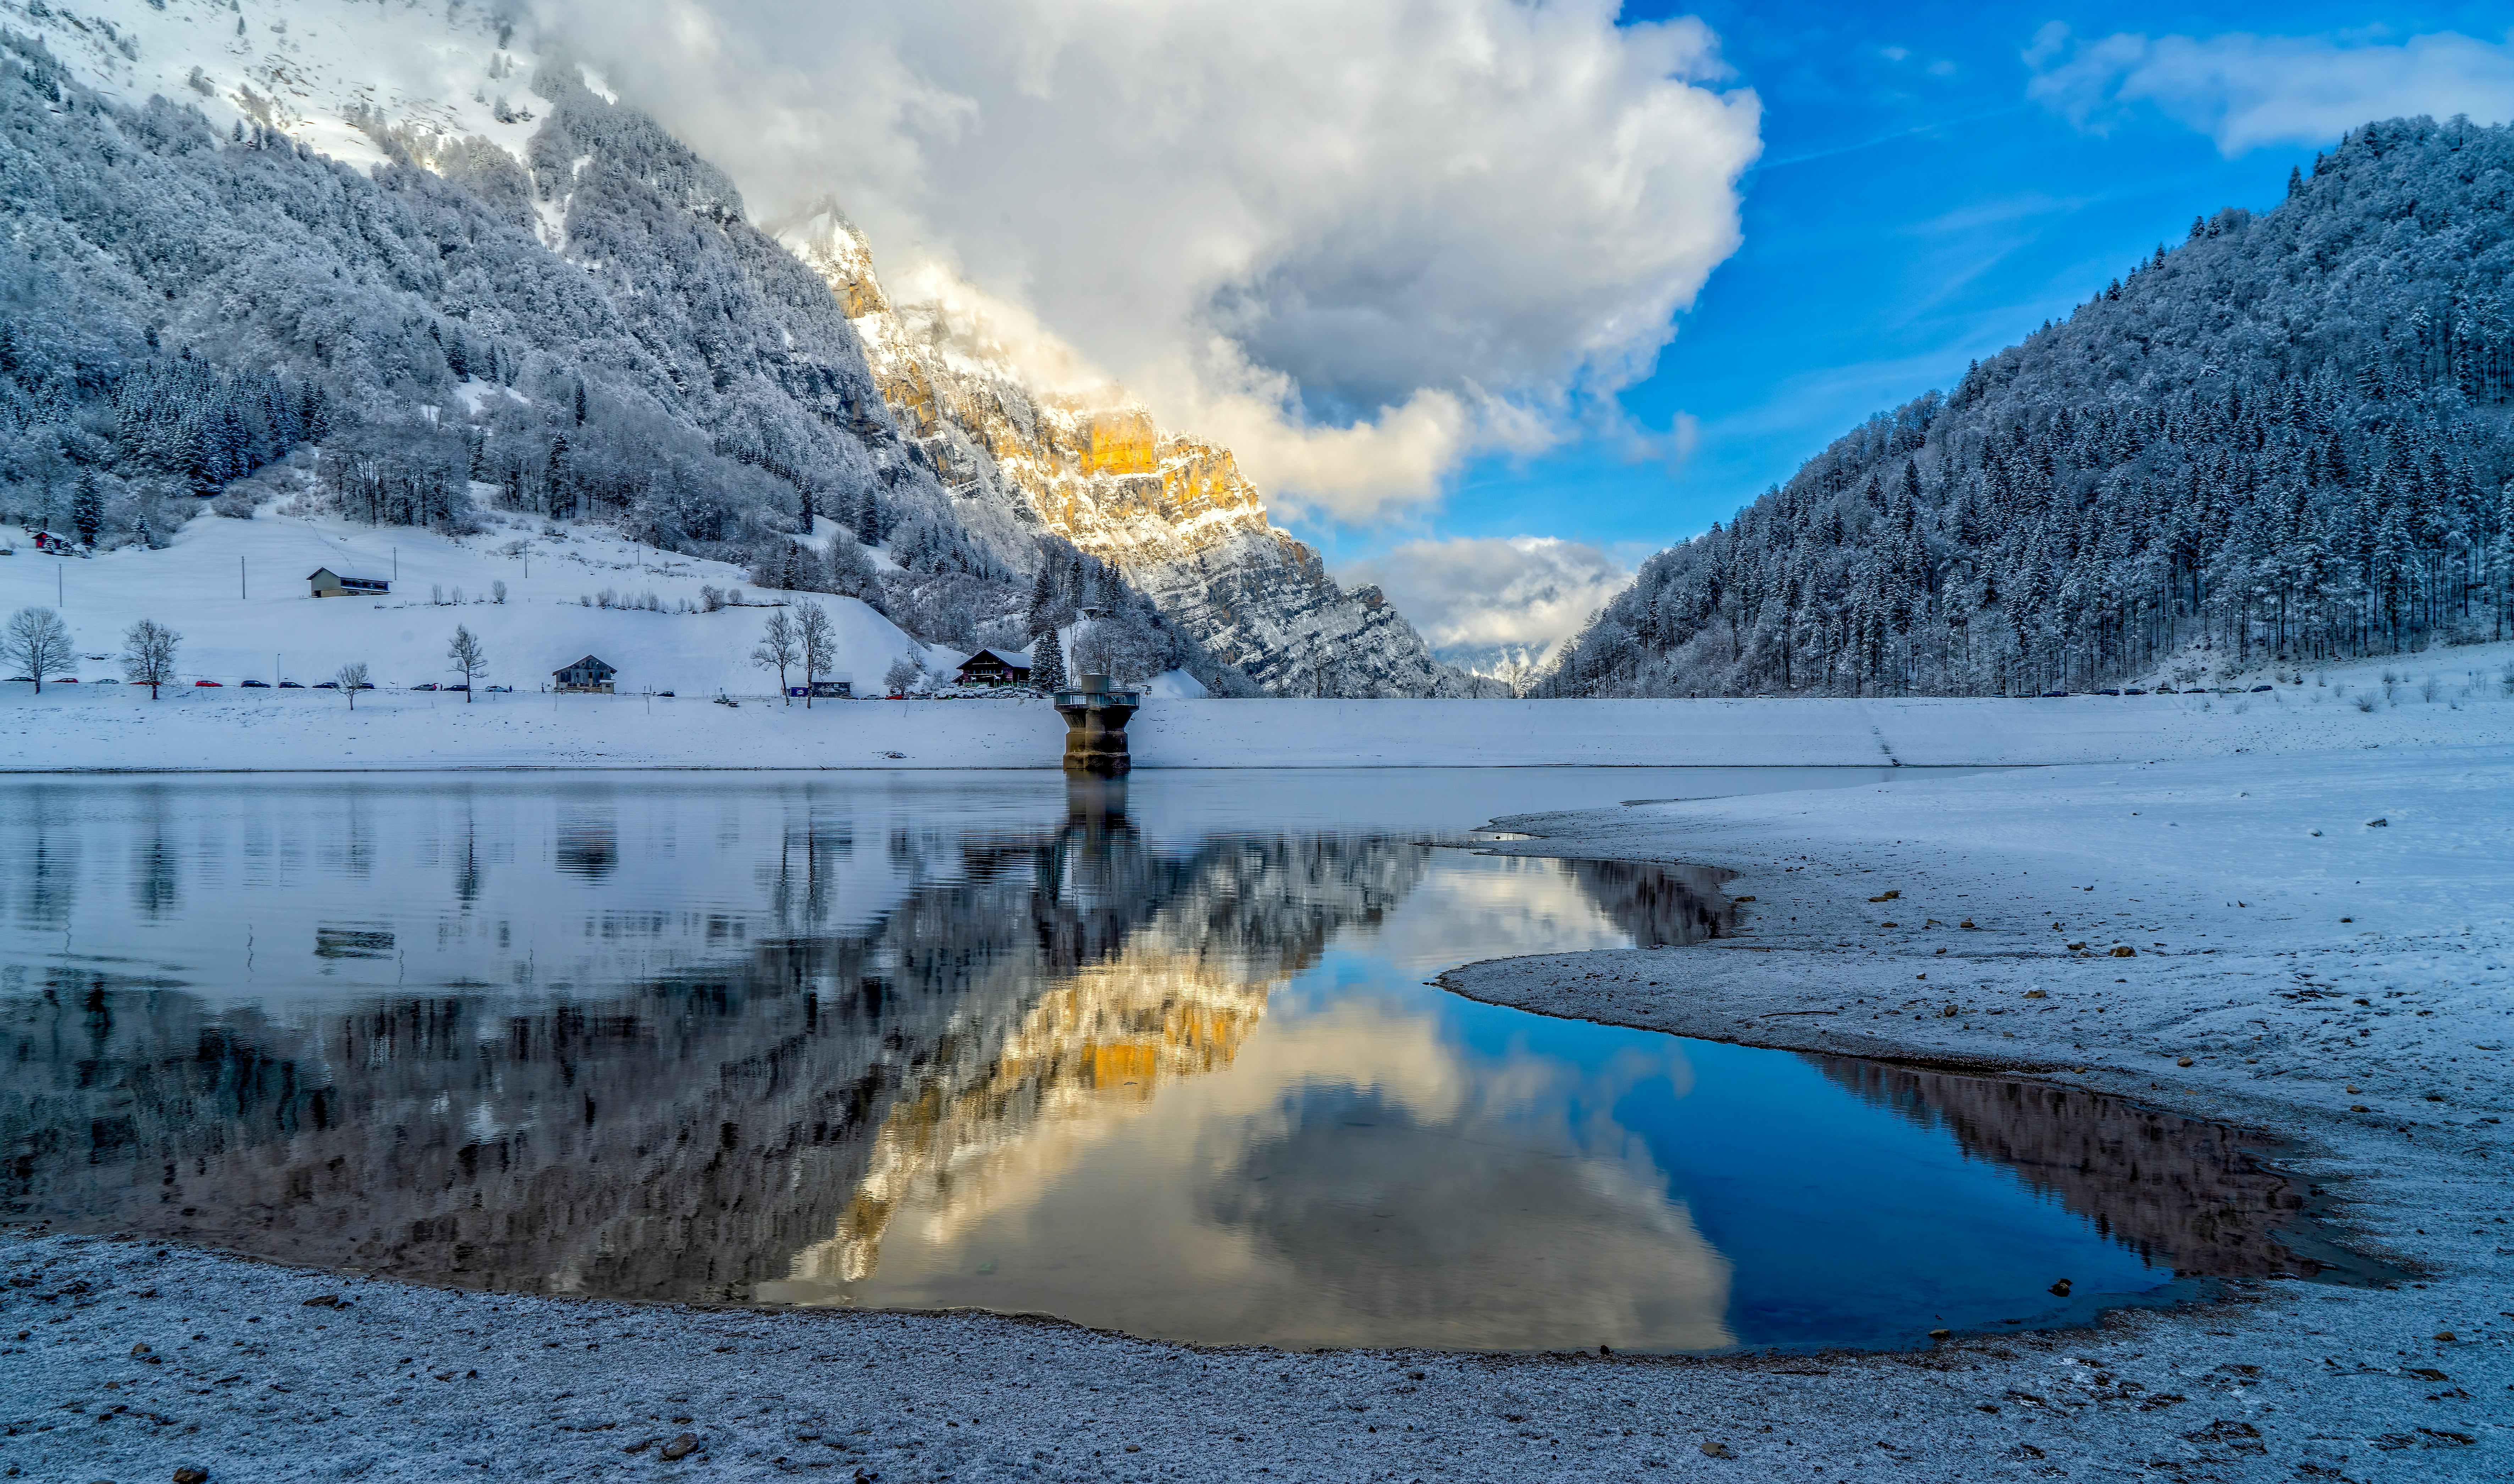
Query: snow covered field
[[117, 727], [236, 591]]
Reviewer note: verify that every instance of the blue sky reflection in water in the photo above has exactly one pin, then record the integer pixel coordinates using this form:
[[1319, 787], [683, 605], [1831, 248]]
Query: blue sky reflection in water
[[1398, 1165], [919, 1041]]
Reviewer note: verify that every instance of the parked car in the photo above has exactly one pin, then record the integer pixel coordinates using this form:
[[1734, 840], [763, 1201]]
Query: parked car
[[366, 685], [107, 680], [667, 694], [255, 685], [429, 686], [24, 680], [289, 685], [2054, 695], [2133, 692], [2107, 692], [458, 688], [207, 684], [65, 680], [327, 685], [2257, 690], [499, 689]]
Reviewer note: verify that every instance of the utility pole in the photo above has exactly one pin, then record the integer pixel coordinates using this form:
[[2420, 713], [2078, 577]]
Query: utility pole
[[239, 577]]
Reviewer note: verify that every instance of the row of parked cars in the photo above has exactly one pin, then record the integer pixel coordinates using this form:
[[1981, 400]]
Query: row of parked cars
[[2162, 689]]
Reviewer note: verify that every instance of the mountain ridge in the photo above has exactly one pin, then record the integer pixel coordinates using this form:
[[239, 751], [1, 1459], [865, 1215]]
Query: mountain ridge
[[2286, 439]]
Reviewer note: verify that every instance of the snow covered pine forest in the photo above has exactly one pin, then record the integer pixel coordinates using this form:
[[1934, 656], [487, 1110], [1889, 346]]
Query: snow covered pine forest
[[2284, 439], [190, 313]]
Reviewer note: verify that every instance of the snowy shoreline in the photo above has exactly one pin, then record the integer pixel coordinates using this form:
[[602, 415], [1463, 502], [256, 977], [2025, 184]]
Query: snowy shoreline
[[2234, 910], [2446, 697]]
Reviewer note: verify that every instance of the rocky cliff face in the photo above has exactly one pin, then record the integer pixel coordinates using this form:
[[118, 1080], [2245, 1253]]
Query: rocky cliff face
[[1087, 463]]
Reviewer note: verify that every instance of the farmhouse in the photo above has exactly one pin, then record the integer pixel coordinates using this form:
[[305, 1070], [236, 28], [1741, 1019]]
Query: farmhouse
[[327, 584], [588, 674], [996, 666]]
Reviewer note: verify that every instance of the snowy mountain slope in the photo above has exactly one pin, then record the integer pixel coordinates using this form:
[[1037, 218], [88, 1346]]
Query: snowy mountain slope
[[2289, 436], [324, 74], [1072, 454], [679, 375], [187, 294], [672, 372]]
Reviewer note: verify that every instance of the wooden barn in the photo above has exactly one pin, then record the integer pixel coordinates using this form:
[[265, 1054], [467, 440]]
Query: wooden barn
[[588, 675], [995, 666]]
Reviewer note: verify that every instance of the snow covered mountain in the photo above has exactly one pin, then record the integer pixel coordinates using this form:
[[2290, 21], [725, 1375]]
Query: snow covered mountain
[[1086, 462], [458, 264], [2286, 440]]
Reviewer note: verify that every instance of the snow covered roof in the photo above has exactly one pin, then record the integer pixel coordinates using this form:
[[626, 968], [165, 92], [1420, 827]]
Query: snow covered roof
[[1017, 659], [589, 663]]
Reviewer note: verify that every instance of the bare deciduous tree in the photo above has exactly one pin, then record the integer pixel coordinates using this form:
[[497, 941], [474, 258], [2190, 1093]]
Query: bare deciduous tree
[[779, 649], [819, 640], [352, 677], [468, 657], [148, 655], [36, 641]]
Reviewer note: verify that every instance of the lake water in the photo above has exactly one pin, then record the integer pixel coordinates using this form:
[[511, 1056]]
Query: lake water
[[1157, 1056]]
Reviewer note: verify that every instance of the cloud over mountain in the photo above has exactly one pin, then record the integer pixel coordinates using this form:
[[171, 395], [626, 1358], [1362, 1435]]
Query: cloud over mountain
[[1480, 601], [2246, 91], [1357, 241]]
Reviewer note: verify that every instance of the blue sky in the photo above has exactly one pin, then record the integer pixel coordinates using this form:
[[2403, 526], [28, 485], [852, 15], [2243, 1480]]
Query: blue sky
[[1913, 207]]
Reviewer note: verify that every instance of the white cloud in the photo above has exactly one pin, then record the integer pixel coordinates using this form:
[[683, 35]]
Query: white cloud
[[1360, 240], [2246, 91], [1480, 601]]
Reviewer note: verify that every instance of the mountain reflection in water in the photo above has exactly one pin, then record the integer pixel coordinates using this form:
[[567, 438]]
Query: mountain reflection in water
[[798, 1044]]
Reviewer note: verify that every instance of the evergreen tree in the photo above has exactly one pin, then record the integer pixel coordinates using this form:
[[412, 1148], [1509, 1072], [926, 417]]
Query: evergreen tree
[[86, 507], [1048, 663]]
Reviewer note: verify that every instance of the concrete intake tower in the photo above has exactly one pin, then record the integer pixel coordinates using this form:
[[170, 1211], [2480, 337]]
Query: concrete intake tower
[[1095, 727]]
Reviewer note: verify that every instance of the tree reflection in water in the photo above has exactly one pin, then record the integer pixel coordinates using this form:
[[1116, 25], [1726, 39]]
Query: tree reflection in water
[[1047, 1032]]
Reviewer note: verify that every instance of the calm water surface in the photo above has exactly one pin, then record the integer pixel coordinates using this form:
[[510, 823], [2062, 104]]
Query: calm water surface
[[1157, 1056]]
